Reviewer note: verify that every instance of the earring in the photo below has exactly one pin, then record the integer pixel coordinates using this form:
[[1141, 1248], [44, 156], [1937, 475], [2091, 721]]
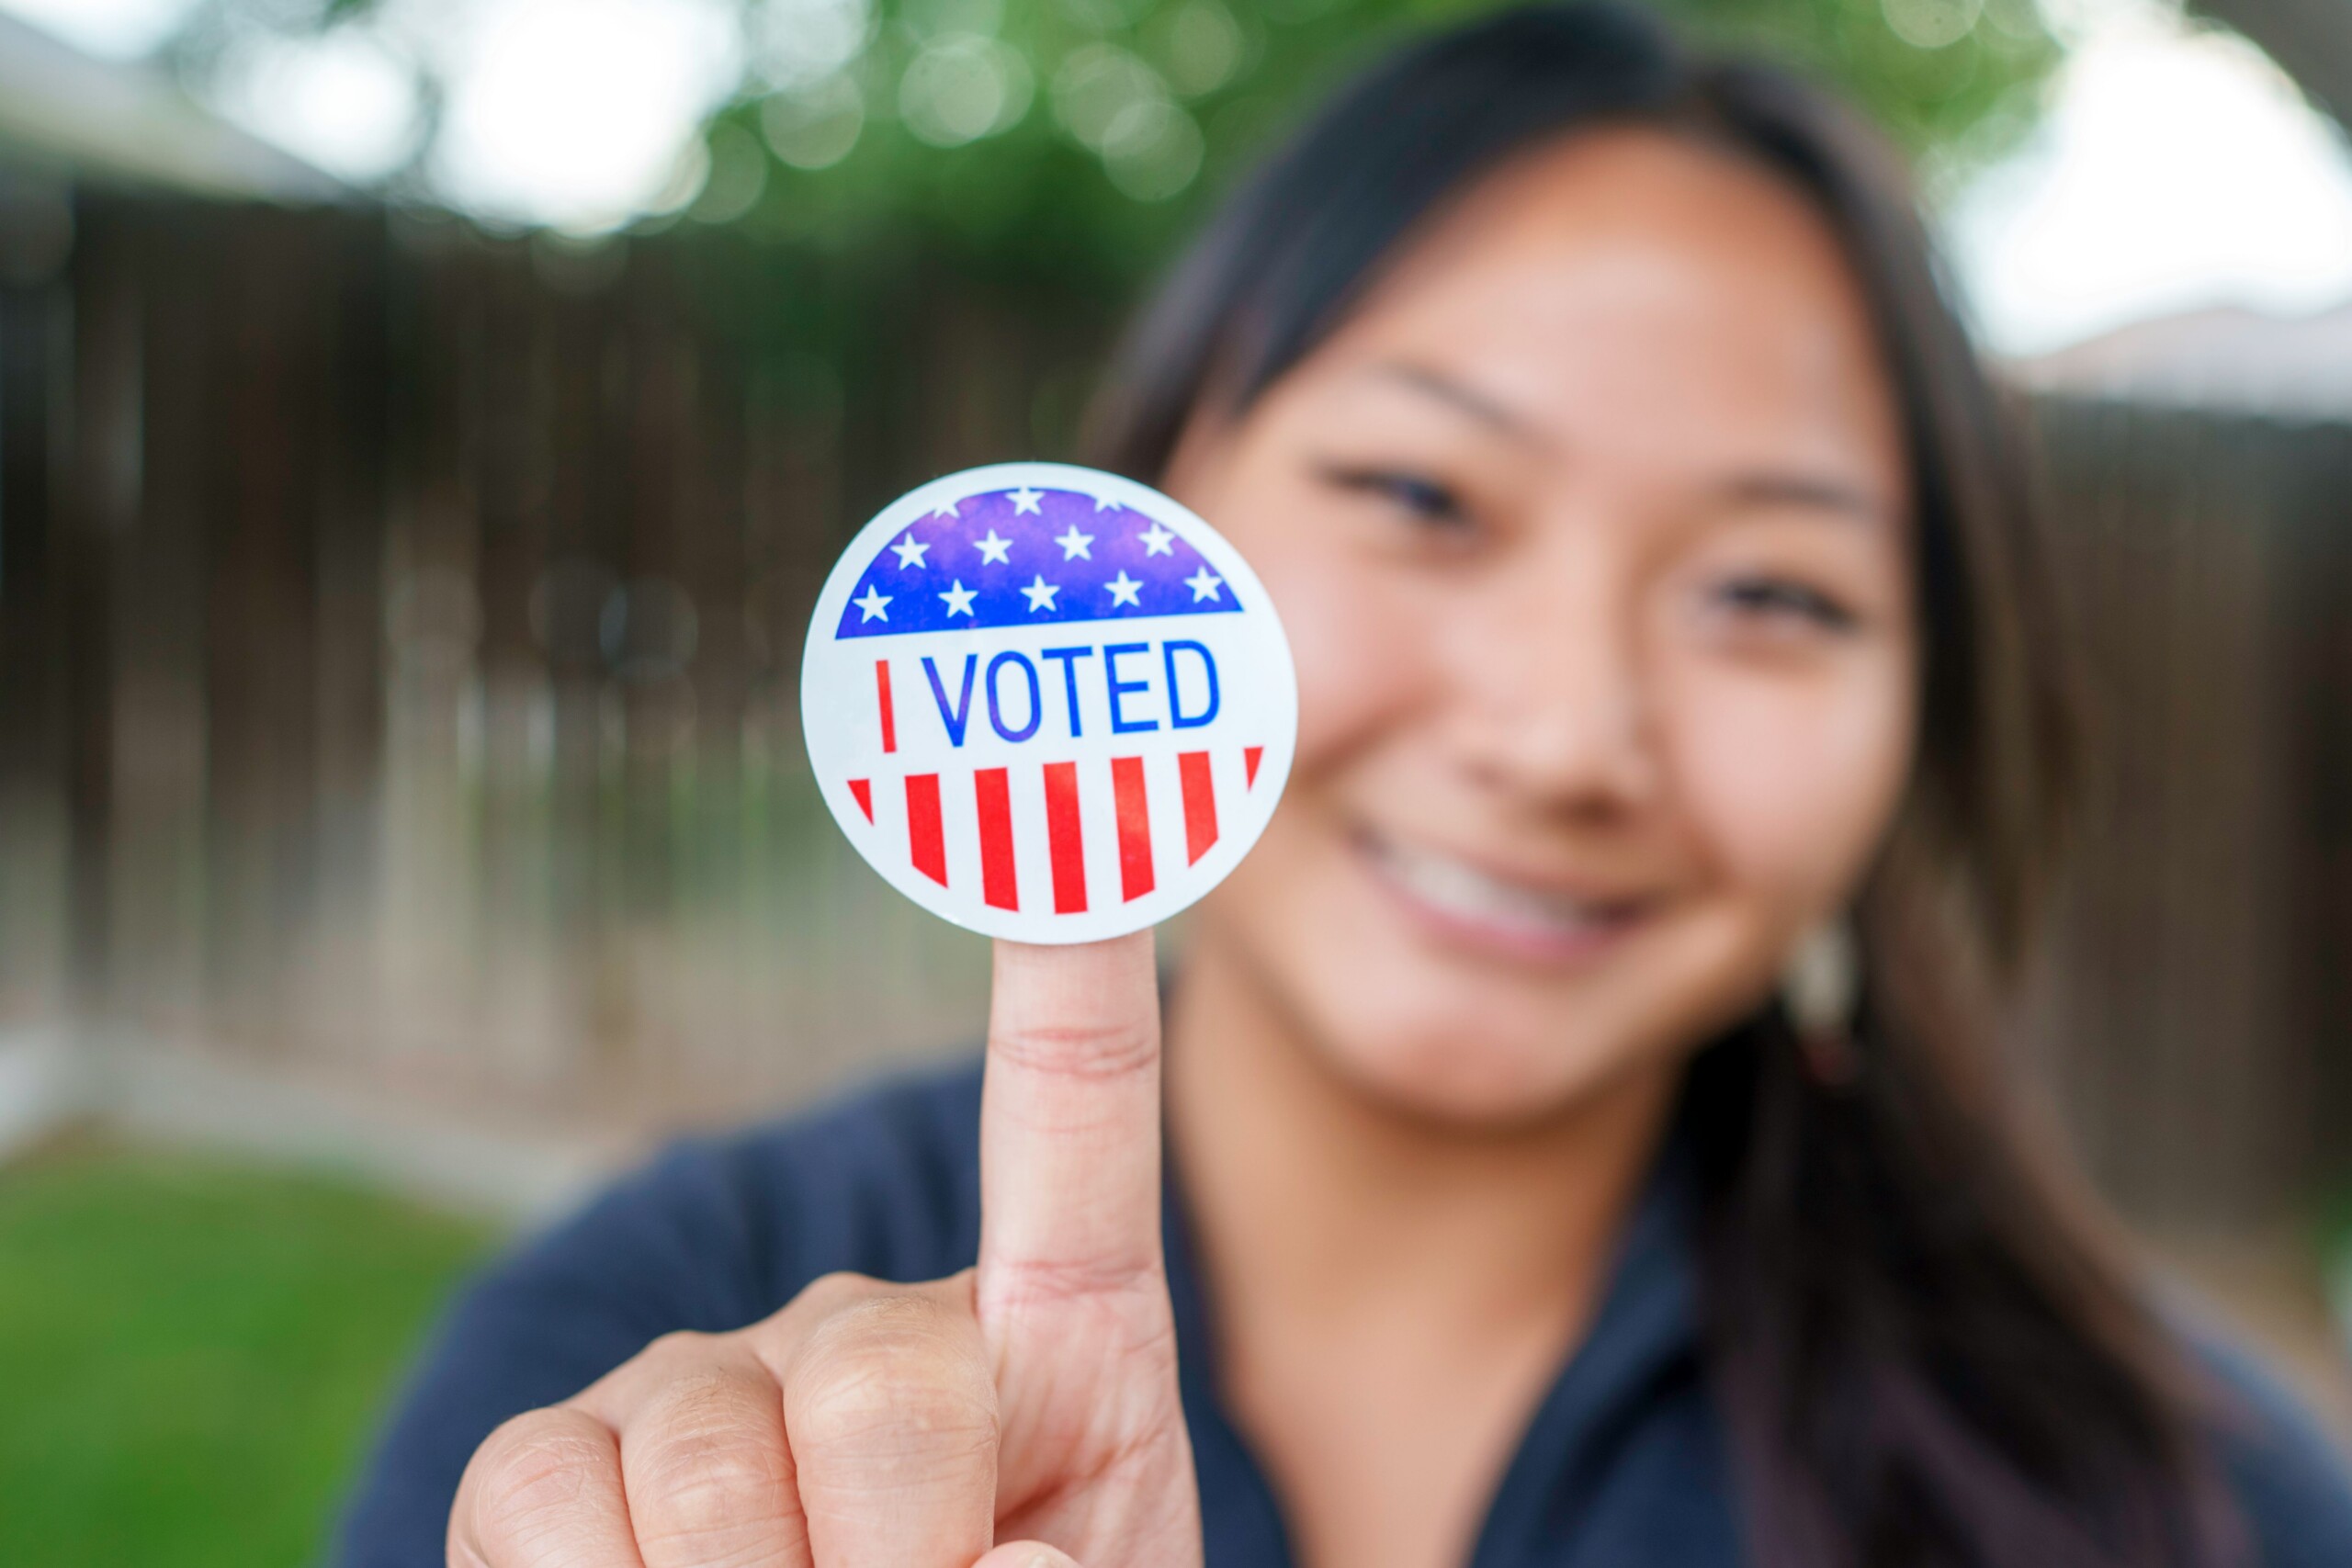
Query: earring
[[1819, 986]]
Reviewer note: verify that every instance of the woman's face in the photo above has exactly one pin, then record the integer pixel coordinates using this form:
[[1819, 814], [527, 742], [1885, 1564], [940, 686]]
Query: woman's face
[[1592, 533]]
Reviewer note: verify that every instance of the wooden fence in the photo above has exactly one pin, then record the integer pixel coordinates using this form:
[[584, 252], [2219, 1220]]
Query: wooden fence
[[2195, 1013], [398, 629], [399, 635]]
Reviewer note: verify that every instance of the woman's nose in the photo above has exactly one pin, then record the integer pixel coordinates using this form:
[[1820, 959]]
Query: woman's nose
[[1555, 695]]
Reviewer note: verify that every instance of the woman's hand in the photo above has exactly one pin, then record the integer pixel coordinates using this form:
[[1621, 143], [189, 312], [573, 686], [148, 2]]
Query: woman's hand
[[1030, 1401]]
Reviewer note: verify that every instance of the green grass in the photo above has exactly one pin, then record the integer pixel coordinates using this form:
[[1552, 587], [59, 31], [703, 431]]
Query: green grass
[[193, 1353]]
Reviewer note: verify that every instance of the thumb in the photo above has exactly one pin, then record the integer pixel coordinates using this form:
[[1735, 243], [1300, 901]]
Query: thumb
[[1027, 1554]]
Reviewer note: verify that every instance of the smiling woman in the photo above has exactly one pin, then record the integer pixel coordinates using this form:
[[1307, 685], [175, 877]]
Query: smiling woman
[[1585, 1138], [1591, 525]]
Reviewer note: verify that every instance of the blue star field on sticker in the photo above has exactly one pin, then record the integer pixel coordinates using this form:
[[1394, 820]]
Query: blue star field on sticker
[[1022, 557]]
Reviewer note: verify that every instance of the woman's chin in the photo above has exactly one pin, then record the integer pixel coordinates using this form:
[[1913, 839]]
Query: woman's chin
[[1469, 1086]]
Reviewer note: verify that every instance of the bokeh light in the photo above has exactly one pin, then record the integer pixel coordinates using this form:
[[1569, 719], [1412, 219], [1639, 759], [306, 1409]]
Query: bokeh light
[[576, 113], [961, 86], [815, 127], [345, 102], [797, 43]]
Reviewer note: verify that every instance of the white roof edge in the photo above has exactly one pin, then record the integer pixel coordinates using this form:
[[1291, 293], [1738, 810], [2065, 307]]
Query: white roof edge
[[133, 123], [2224, 359]]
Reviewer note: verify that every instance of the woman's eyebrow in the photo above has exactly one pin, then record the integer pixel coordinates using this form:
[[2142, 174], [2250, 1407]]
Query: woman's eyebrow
[[1469, 399], [1817, 492]]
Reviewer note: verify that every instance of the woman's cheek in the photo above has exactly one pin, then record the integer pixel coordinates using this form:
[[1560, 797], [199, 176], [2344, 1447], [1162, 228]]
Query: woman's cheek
[[1356, 644], [1792, 778]]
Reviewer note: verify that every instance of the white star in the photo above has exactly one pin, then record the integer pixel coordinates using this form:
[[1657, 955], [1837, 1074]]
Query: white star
[[959, 600], [1026, 500], [1104, 504], [1156, 541], [1074, 544], [992, 548], [945, 509], [1204, 585], [877, 604], [1041, 594], [1124, 590], [909, 552]]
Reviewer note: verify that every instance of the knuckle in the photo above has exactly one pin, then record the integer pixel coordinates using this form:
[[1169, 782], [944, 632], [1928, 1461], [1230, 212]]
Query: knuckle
[[776, 1340], [706, 1482], [1134, 1288], [1079, 1050], [893, 1372], [831, 1294], [678, 1350], [535, 1468], [699, 1411]]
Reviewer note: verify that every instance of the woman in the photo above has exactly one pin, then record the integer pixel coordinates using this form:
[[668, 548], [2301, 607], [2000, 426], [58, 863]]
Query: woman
[[1584, 1146]]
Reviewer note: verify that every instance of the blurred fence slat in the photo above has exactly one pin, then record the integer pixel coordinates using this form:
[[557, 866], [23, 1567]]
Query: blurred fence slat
[[2195, 998]]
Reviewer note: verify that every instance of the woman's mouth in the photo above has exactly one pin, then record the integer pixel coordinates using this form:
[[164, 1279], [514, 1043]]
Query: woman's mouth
[[1466, 905]]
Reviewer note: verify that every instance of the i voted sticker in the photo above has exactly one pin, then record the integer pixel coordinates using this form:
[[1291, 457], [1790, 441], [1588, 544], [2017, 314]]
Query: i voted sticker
[[1047, 704]]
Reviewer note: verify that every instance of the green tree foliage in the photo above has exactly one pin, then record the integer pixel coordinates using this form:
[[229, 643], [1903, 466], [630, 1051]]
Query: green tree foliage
[[1066, 142], [1069, 138]]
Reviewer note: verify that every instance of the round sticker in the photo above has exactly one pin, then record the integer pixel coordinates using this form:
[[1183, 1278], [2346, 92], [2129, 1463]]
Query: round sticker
[[1047, 704]]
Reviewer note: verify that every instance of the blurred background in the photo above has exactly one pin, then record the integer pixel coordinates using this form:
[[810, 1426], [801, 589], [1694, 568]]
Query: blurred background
[[424, 428]]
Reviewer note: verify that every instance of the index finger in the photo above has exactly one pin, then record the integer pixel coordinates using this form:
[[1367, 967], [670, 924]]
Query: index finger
[[1069, 1120]]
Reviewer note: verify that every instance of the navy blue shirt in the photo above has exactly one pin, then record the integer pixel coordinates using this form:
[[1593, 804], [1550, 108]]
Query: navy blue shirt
[[1622, 1465]]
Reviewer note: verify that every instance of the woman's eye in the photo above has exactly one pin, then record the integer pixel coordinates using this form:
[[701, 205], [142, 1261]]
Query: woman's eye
[[1778, 599], [1416, 495]]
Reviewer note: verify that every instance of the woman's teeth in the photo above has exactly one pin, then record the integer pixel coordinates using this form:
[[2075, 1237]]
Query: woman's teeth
[[1464, 891]]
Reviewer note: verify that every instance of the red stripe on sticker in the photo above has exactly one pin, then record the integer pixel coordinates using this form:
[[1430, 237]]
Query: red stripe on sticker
[[1064, 840], [882, 696], [1134, 827], [864, 790], [1199, 804], [999, 885], [925, 842], [1250, 755]]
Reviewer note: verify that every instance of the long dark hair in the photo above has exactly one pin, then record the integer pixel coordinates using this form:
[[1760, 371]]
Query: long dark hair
[[1923, 1351]]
